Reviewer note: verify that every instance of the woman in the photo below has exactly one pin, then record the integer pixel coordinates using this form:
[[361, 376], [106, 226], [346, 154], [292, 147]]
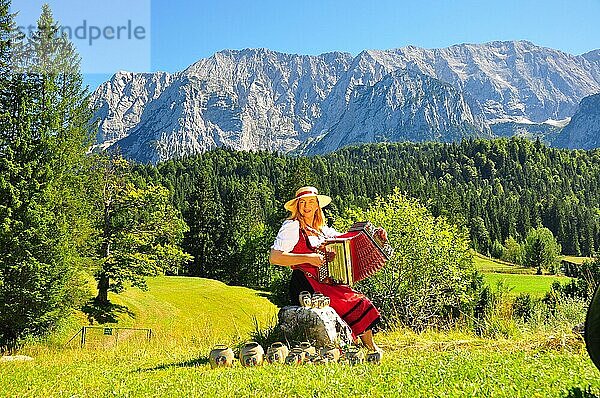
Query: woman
[[295, 246]]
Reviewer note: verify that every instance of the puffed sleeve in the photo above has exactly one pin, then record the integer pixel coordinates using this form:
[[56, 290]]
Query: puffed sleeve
[[288, 236], [330, 232]]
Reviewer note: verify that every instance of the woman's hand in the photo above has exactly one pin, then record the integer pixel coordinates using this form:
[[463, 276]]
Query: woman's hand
[[315, 259], [381, 234], [330, 255]]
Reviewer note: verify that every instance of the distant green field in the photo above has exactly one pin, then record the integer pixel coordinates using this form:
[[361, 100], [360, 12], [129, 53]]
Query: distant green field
[[486, 264], [576, 260], [517, 279], [536, 285], [189, 315]]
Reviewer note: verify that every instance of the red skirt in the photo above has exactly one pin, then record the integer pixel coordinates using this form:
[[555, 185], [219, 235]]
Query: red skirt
[[353, 307]]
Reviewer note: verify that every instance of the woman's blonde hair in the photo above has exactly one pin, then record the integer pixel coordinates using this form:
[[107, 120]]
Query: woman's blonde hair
[[318, 221]]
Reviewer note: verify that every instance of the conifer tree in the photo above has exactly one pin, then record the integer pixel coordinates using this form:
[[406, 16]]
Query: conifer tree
[[42, 145], [206, 219]]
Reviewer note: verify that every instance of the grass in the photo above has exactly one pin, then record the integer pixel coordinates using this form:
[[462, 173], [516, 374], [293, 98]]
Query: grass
[[427, 364], [487, 264], [536, 285], [576, 260], [203, 309], [189, 315], [189, 309]]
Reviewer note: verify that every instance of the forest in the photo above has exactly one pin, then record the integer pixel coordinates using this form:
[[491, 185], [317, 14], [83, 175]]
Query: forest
[[497, 189]]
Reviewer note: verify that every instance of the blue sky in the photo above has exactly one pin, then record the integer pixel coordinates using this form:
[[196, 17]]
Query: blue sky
[[178, 33]]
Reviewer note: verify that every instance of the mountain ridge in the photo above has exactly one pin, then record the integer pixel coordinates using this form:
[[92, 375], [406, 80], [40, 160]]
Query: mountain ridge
[[260, 99]]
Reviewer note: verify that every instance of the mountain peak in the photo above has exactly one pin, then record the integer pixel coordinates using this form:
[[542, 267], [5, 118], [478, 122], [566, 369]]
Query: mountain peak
[[583, 131]]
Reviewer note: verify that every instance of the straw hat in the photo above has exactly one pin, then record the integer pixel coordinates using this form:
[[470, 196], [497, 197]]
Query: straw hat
[[303, 192]]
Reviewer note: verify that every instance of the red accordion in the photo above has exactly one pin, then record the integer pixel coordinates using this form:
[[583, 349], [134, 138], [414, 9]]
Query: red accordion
[[359, 253]]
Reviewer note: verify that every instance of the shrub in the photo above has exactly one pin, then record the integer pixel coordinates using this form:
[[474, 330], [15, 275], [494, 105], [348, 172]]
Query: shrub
[[584, 285], [431, 279], [492, 315], [279, 287], [513, 252], [267, 335], [577, 392], [523, 307]]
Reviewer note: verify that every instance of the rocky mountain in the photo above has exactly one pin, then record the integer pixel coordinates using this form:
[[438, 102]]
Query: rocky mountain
[[583, 132], [403, 106], [592, 56], [248, 100], [120, 102], [260, 99], [512, 80]]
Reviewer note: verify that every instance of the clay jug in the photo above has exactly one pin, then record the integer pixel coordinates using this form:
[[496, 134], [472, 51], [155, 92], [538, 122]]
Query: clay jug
[[317, 300], [305, 299], [331, 353], [309, 350], [296, 356], [320, 361], [221, 356], [354, 355], [277, 353], [251, 354]]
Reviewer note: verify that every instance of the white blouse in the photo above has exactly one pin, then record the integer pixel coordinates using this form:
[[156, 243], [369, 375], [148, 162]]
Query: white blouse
[[289, 233]]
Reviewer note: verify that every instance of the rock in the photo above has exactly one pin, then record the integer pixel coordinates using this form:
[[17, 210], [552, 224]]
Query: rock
[[323, 326], [583, 131], [16, 358]]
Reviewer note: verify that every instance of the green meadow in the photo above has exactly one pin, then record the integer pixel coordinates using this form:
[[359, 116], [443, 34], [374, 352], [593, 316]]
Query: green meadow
[[517, 279], [487, 265], [536, 285], [576, 260], [189, 315]]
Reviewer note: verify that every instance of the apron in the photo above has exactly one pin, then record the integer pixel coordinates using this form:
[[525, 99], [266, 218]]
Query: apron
[[353, 307]]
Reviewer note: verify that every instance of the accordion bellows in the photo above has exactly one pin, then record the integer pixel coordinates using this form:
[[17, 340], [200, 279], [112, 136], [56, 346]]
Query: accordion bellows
[[358, 255]]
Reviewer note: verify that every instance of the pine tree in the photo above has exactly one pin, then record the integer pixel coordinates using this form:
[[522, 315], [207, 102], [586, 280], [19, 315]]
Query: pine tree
[[42, 144], [205, 215]]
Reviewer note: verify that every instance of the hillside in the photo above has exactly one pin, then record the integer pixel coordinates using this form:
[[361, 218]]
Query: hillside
[[203, 310]]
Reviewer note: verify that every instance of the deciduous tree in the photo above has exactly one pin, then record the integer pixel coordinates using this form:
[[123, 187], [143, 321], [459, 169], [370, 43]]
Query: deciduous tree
[[139, 229], [431, 278], [541, 250]]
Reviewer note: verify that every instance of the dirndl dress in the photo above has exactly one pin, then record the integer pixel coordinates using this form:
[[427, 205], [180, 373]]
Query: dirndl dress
[[353, 307]]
